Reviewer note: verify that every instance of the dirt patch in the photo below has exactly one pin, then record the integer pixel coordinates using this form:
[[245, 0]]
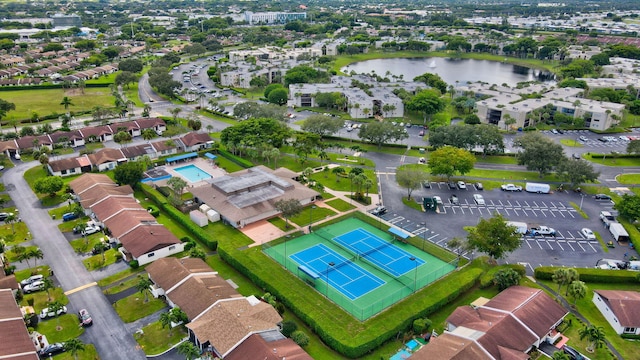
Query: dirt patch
[[73, 92]]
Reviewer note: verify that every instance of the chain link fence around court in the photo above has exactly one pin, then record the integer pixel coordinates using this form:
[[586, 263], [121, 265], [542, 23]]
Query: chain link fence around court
[[396, 288]]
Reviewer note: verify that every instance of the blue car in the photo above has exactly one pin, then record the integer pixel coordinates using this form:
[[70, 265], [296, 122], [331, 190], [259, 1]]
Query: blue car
[[69, 216]]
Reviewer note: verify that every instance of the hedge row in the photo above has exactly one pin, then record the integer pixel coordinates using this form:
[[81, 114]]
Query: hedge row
[[48, 86], [486, 280], [235, 159], [617, 156], [591, 275], [178, 216], [339, 330], [634, 234]]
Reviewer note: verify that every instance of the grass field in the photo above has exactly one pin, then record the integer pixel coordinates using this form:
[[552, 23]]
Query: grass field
[[628, 178], [60, 329], [340, 205], [156, 339], [133, 307], [47, 101]]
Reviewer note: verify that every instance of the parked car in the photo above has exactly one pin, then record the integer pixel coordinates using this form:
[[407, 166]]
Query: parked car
[[99, 248], [421, 133], [46, 313], [478, 199], [454, 200], [510, 187], [90, 230], [84, 318], [479, 186], [576, 156], [588, 234], [542, 231], [438, 200], [69, 216], [452, 185], [31, 279], [573, 353], [422, 160], [4, 216], [33, 287], [602, 197], [380, 210], [462, 185], [52, 349], [583, 138], [426, 184]]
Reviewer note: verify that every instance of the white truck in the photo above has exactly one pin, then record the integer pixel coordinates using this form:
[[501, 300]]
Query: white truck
[[542, 231], [618, 232], [510, 187], [521, 227], [537, 188], [607, 218]]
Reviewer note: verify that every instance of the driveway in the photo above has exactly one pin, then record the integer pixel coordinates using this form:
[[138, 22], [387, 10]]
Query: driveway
[[108, 334]]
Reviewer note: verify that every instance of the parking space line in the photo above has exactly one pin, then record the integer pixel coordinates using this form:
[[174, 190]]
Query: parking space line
[[538, 242], [509, 202], [518, 203], [572, 249], [548, 243], [429, 238], [527, 204], [551, 212], [441, 240], [561, 213], [592, 248], [533, 211], [560, 245], [579, 244]]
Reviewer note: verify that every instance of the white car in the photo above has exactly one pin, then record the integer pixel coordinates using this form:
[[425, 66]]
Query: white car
[[90, 230], [31, 279], [46, 313], [462, 185], [478, 199], [437, 199], [33, 287], [588, 234]]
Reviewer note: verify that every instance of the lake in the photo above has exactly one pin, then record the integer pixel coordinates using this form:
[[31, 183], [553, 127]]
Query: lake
[[452, 70]]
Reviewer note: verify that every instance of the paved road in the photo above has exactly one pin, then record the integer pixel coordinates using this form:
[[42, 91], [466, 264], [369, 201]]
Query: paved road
[[108, 334]]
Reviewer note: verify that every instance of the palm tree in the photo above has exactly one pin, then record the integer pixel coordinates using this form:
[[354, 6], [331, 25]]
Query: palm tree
[[73, 346], [143, 287], [577, 290], [11, 219], [48, 285], [572, 275], [146, 110], [594, 335], [165, 321], [55, 308], [275, 154], [559, 277], [66, 102], [175, 112], [338, 171], [189, 350], [35, 253], [148, 134], [559, 355]]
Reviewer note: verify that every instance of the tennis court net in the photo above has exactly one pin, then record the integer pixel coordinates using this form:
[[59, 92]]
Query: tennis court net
[[377, 248], [337, 266]]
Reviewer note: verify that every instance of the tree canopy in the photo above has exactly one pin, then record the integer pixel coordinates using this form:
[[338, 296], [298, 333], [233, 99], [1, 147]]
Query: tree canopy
[[576, 171], [629, 207], [428, 102], [255, 132], [485, 136], [129, 173], [410, 179], [251, 109], [48, 185], [322, 125], [494, 237], [449, 160], [539, 153], [288, 208], [379, 133]]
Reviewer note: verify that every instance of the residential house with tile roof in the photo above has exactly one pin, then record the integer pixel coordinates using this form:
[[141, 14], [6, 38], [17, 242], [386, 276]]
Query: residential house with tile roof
[[268, 348], [228, 323], [621, 308], [16, 343], [194, 141], [529, 313]]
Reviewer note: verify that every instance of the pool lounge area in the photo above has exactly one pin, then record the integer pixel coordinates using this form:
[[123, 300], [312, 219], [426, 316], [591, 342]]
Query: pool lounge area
[[410, 347], [195, 172], [192, 173]]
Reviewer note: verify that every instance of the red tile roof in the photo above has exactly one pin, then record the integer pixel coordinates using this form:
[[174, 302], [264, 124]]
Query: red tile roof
[[625, 305], [147, 238]]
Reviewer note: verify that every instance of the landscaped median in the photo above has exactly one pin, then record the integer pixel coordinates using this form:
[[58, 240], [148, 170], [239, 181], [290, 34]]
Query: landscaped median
[[338, 329]]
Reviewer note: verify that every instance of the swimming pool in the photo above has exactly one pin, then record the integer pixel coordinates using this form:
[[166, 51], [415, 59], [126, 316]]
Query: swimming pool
[[192, 173]]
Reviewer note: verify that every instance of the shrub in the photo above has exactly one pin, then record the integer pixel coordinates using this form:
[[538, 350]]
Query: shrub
[[300, 338], [421, 325], [237, 160], [288, 327], [591, 275], [154, 211], [134, 264], [487, 279]]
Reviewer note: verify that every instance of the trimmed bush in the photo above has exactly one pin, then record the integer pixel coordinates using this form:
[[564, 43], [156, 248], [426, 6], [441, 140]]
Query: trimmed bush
[[288, 327], [591, 275], [134, 264], [154, 211], [235, 159], [486, 280]]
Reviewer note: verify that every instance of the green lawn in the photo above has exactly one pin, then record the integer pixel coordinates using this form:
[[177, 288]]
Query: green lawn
[[118, 277], [571, 143], [38, 172], [340, 205], [84, 245], [94, 146], [14, 233], [11, 256], [60, 329], [96, 262], [342, 183], [613, 161], [25, 273], [313, 215], [133, 307], [628, 178], [61, 210], [41, 299], [413, 203], [156, 339], [279, 223], [507, 160], [47, 101], [89, 353], [67, 226], [122, 285]]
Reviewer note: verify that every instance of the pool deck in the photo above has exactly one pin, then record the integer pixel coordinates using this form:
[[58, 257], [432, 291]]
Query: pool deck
[[205, 165]]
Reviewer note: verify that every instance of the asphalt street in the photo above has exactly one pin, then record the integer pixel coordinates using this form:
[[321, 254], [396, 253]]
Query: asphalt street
[[108, 334]]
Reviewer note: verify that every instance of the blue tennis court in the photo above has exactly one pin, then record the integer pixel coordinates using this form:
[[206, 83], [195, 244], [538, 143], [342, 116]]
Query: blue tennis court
[[383, 254], [341, 273]]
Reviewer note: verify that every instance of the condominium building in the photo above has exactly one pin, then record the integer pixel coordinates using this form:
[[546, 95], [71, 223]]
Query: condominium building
[[272, 17]]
